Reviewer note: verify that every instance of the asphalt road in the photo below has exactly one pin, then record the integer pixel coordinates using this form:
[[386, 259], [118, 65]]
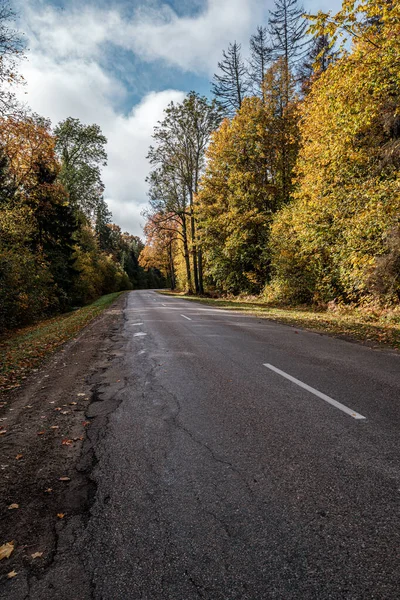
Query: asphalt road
[[221, 478]]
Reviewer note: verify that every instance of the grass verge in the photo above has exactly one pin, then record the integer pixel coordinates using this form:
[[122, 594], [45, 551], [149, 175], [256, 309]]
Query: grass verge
[[377, 328], [25, 349]]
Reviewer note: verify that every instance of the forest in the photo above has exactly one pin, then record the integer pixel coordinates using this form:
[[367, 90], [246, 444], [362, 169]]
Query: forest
[[283, 184], [58, 246], [286, 184]]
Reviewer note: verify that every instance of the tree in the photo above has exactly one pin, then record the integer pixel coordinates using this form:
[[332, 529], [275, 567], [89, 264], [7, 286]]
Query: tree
[[161, 247], [170, 209], [37, 226], [132, 247], [281, 105], [318, 59], [7, 185], [260, 58], [230, 86], [11, 52], [55, 229], [49, 258], [240, 191], [338, 239], [103, 219], [81, 150], [178, 160], [287, 27]]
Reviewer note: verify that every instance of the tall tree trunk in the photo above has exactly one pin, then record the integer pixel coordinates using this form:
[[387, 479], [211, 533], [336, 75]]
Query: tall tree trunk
[[186, 254], [171, 267], [199, 251], [194, 247], [200, 259]]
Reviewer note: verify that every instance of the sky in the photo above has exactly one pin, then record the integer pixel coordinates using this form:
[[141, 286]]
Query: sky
[[119, 63]]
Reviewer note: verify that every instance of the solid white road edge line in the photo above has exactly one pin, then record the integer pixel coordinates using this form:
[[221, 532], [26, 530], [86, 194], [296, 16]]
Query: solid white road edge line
[[185, 317], [342, 407]]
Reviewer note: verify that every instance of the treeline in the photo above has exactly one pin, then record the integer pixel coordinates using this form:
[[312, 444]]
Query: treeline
[[58, 246], [287, 184]]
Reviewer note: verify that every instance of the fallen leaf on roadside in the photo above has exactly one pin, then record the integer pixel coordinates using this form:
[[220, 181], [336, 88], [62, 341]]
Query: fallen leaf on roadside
[[13, 506], [55, 427], [60, 515], [28, 406], [73, 403], [37, 555], [6, 550], [48, 491], [58, 408], [41, 432], [84, 423], [19, 456], [11, 574], [3, 431], [67, 442], [65, 478]]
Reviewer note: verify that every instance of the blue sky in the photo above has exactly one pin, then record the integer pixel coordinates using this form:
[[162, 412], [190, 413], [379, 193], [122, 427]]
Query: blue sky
[[120, 62]]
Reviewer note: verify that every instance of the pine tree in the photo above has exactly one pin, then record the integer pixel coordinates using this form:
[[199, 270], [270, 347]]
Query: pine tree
[[261, 54], [231, 84], [287, 27]]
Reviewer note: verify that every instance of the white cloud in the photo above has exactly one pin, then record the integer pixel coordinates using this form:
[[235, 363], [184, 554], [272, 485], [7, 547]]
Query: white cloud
[[193, 43], [76, 31], [190, 43]]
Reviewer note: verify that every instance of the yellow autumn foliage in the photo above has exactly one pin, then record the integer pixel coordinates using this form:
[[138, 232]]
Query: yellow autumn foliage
[[338, 236]]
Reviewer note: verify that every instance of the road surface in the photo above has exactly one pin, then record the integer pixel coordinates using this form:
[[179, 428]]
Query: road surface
[[240, 459]]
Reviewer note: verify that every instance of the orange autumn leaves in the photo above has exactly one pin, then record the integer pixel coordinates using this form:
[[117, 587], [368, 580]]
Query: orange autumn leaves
[[27, 143]]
